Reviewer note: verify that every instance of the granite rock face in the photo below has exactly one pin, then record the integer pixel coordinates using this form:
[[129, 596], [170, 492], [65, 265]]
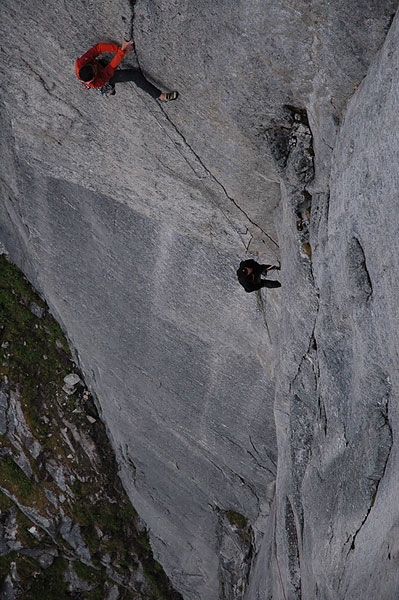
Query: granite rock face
[[67, 528], [131, 217]]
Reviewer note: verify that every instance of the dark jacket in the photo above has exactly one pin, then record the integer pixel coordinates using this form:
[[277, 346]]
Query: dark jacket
[[251, 282]]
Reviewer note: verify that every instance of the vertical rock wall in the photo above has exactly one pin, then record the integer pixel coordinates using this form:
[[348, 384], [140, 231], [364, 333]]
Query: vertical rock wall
[[131, 219], [355, 450], [335, 516]]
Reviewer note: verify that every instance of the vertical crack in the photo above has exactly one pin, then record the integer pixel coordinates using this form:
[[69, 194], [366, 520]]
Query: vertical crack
[[384, 414], [129, 30], [293, 550]]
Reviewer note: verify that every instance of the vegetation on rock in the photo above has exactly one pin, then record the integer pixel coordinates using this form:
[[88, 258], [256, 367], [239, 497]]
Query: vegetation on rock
[[67, 528]]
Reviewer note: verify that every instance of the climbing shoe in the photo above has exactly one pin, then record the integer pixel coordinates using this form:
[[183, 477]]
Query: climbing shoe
[[171, 96]]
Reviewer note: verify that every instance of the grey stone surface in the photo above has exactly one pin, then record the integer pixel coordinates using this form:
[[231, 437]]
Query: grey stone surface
[[149, 409], [336, 416], [38, 311], [235, 552], [130, 218], [71, 533], [72, 379], [355, 326], [7, 589]]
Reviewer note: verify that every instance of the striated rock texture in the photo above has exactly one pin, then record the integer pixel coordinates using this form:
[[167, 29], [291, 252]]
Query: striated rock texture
[[131, 218]]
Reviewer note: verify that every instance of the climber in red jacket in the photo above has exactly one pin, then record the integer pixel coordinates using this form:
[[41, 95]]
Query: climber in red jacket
[[96, 73]]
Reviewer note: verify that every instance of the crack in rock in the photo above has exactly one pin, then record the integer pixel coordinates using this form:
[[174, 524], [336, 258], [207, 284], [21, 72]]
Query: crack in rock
[[236, 550], [291, 145], [376, 481], [214, 179], [293, 551]]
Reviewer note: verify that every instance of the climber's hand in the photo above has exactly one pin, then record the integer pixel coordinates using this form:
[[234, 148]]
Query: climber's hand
[[127, 46]]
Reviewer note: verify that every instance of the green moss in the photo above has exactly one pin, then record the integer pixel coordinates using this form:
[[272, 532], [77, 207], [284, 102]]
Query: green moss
[[93, 577], [110, 518], [27, 491], [31, 347], [121, 537], [236, 519], [44, 583], [51, 583], [15, 480], [5, 562], [5, 502], [156, 577], [86, 573], [26, 567]]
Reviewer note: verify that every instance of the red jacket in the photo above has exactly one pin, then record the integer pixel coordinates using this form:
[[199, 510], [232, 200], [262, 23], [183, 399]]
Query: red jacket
[[103, 74]]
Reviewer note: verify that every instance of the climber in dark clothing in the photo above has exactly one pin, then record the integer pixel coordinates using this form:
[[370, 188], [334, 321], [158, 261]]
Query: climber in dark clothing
[[249, 275]]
